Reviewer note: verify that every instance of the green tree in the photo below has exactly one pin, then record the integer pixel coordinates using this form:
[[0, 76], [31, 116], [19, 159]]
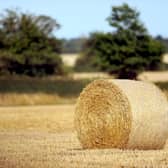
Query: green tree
[[27, 45], [73, 45], [91, 57], [125, 18], [127, 51]]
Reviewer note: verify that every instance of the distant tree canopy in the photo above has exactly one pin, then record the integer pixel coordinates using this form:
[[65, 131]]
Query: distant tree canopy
[[164, 41], [73, 45], [127, 51], [27, 45]]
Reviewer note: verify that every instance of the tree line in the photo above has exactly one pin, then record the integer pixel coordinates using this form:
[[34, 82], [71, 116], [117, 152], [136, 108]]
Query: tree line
[[76, 45], [28, 45], [126, 51]]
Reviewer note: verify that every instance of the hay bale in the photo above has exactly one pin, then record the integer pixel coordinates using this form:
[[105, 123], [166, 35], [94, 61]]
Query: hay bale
[[122, 114]]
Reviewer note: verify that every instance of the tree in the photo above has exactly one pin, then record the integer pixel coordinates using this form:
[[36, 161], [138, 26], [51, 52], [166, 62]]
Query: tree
[[136, 49], [128, 50], [163, 40], [94, 47], [27, 45], [73, 45], [125, 18]]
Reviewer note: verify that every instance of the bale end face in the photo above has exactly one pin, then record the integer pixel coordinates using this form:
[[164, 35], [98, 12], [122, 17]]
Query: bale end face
[[103, 120]]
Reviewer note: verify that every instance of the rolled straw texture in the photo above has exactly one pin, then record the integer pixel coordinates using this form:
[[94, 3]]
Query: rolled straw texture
[[122, 114]]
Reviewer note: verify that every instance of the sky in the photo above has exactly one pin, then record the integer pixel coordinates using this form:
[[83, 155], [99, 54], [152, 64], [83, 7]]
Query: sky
[[80, 17]]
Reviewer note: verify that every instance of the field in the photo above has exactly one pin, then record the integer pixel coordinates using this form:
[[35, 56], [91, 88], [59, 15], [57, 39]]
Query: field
[[36, 127], [69, 59], [40, 91], [44, 136], [52, 90]]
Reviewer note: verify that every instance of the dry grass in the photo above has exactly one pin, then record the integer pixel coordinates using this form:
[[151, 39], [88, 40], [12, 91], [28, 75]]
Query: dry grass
[[16, 90], [63, 150], [154, 76], [39, 91], [90, 75], [43, 136], [39, 118], [14, 99], [165, 58]]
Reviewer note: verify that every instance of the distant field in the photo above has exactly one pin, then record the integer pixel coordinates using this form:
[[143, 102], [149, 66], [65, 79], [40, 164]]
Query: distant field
[[32, 91], [165, 58], [154, 76], [44, 137], [69, 59], [51, 90]]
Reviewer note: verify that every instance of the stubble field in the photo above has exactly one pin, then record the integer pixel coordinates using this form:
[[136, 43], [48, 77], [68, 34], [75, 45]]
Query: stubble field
[[44, 136]]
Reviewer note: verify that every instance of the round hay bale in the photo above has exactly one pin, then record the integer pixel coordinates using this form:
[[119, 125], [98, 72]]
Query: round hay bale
[[122, 114]]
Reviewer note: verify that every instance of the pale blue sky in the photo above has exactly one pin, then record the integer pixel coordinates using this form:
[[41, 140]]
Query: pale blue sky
[[80, 17]]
